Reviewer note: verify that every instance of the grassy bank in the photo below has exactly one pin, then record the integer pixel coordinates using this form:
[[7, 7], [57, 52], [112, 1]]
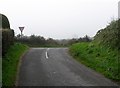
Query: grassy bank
[[98, 57], [10, 63]]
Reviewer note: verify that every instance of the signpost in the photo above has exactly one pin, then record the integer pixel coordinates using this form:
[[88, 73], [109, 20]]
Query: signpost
[[21, 29]]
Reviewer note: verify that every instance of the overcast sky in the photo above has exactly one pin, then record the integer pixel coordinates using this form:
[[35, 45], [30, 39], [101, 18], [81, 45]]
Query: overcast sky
[[59, 19]]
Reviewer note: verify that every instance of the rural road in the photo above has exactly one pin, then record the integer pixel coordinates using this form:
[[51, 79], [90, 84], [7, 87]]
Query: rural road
[[55, 67]]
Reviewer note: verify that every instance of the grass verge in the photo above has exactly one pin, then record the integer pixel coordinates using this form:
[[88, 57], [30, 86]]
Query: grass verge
[[98, 57], [10, 63]]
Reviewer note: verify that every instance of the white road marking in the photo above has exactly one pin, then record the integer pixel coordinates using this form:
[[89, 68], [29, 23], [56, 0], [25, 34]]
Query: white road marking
[[46, 54]]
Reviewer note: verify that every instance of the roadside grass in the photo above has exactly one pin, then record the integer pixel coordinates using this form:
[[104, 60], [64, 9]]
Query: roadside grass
[[10, 63], [98, 57]]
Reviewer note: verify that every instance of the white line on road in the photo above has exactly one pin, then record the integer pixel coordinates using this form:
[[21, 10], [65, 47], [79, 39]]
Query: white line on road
[[46, 54]]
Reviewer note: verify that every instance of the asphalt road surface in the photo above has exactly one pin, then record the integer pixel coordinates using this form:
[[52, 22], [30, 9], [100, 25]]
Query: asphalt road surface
[[55, 67]]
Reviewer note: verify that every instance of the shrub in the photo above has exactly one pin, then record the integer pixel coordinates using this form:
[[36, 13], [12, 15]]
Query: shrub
[[109, 36], [7, 39], [4, 22], [7, 34]]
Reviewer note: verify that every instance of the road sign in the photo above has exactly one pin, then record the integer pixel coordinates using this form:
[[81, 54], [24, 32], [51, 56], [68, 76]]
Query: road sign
[[21, 28]]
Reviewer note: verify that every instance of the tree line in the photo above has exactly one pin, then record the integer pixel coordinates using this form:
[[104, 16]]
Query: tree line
[[40, 41]]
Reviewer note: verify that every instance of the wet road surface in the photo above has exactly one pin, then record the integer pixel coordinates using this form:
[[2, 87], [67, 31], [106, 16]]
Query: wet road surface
[[55, 67]]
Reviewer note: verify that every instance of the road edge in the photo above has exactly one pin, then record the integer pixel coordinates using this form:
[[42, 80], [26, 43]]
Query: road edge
[[18, 67], [74, 58]]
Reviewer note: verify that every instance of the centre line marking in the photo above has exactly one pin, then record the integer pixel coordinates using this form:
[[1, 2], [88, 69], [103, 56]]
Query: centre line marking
[[46, 54]]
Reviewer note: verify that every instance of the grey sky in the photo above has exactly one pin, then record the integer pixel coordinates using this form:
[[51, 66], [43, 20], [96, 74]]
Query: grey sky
[[59, 19]]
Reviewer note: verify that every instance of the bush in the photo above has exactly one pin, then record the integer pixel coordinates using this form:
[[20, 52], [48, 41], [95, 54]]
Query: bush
[[7, 39], [109, 36], [4, 22]]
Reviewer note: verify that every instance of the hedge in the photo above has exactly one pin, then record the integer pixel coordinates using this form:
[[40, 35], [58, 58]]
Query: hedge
[[6, 34], [7, 39]]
